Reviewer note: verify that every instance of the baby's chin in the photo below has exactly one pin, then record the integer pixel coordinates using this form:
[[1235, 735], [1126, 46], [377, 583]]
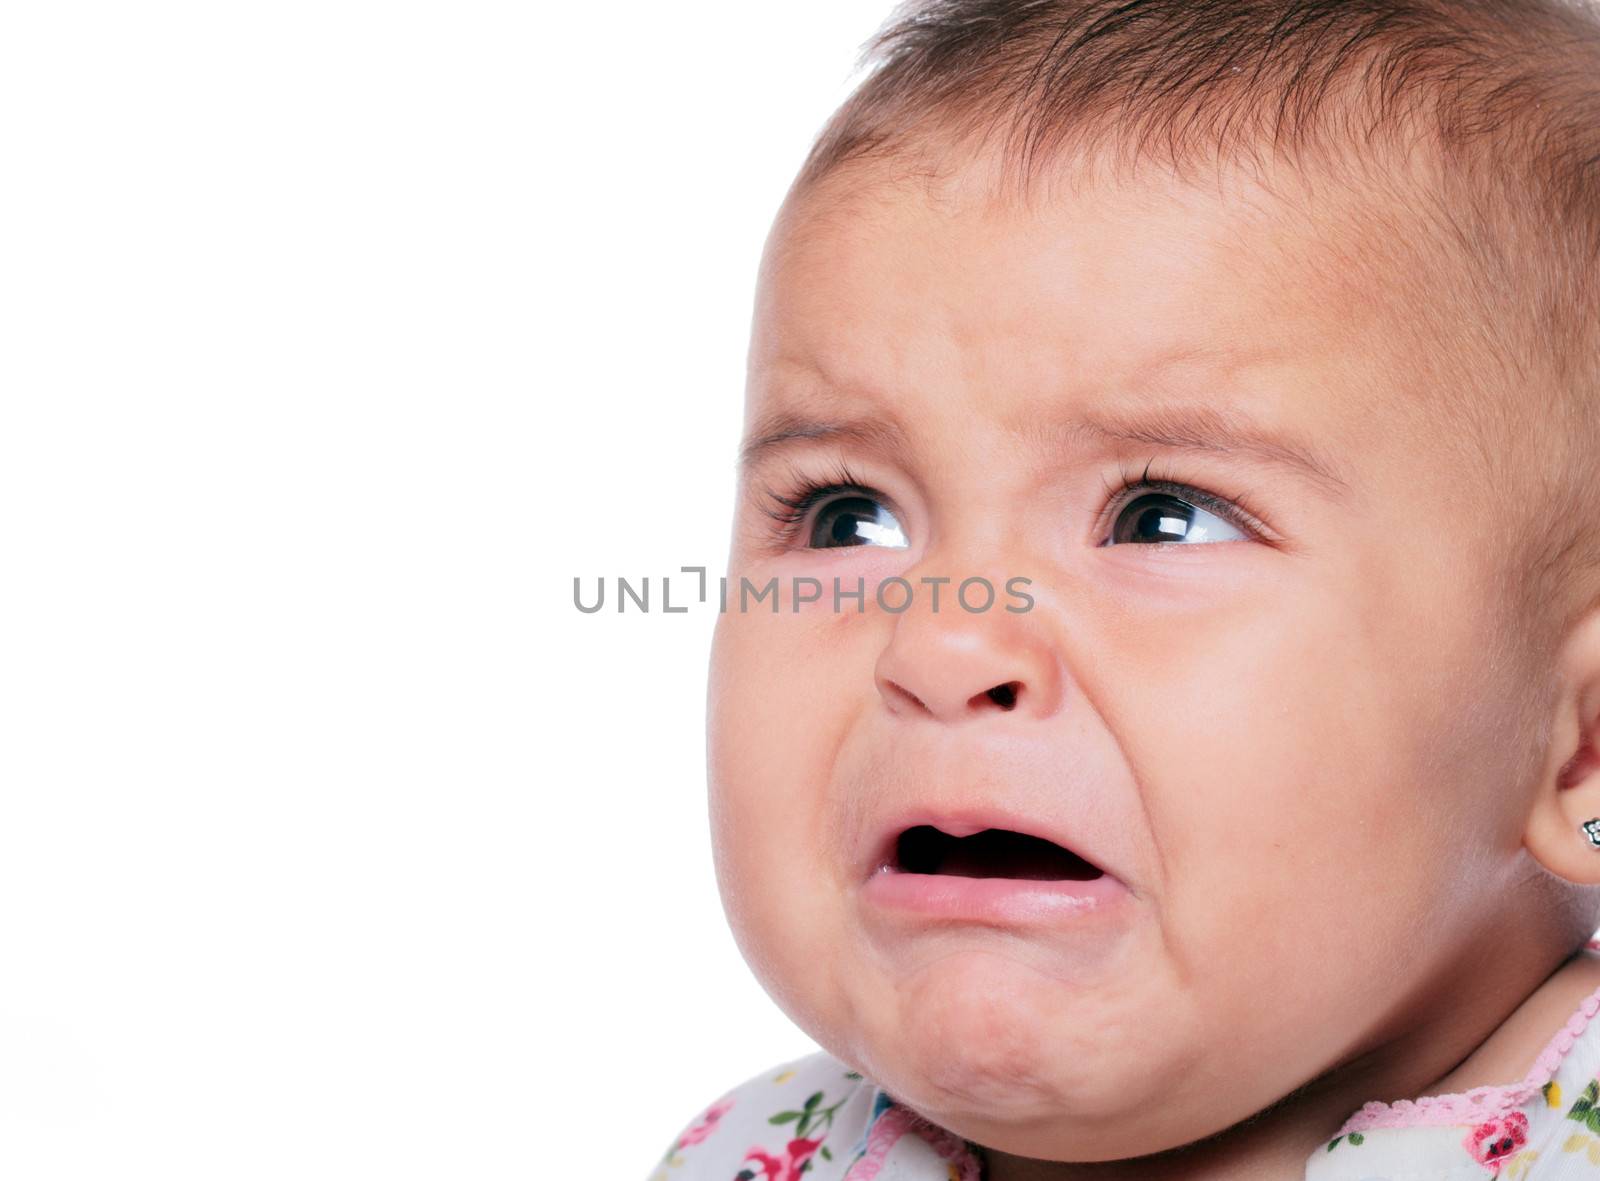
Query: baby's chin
[[997, 1050]]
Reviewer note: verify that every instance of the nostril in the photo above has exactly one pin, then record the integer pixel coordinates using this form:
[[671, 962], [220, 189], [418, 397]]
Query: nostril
[[1005, 696]]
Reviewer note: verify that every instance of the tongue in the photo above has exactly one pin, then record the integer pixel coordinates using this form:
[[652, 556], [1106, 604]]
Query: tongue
[[992, 853]]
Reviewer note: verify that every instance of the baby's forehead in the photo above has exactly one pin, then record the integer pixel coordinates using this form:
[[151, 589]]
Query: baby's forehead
[[1314, 237], [1096, 275]]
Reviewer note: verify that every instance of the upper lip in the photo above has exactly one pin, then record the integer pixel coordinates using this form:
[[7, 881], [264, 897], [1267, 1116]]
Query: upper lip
[[961, 822]]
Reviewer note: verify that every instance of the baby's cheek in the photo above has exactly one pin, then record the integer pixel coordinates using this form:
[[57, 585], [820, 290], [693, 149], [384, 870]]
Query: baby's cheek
[[774, 728], [781, 910]]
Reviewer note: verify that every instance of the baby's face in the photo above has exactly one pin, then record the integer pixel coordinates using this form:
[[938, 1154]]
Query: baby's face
[[1260, 698]]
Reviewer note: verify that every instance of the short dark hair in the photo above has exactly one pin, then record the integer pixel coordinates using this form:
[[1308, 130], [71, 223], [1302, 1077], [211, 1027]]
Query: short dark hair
[[1501, 96]]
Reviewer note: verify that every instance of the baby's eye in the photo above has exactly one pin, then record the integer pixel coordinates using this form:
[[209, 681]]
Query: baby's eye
[[1161, 517], [832, 514], [855, 520]]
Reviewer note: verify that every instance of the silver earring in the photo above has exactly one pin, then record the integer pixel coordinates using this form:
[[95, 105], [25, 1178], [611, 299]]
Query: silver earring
[[1591, 829]]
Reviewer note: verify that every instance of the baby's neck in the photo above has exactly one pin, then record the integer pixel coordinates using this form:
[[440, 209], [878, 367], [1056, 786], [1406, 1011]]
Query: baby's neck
[[1271, 1145], [1483, 1043]]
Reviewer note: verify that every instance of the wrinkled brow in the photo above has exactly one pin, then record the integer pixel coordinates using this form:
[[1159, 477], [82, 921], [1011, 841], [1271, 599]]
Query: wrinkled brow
[[782, 429], [1179, 428], [1191, 428]]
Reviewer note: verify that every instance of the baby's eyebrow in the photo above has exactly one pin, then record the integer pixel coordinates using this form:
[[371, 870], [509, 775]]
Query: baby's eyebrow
[[1190, 428], [1178, 428], [779, 429]]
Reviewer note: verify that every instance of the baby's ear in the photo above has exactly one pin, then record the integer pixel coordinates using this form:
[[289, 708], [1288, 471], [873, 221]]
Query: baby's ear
[[1568, 793]]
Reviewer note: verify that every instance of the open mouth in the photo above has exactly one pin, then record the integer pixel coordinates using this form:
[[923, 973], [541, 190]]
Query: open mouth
[[992, 853]]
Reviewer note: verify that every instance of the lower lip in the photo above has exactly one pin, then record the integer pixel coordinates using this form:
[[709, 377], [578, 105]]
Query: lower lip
[[998, 901]]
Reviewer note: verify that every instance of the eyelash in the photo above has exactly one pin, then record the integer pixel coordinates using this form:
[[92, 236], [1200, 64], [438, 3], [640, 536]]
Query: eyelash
[[806, 493], [1236, 511], [793, 507]]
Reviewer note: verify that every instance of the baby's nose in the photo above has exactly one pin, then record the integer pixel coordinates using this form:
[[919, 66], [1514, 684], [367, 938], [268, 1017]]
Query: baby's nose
[[953, 669]]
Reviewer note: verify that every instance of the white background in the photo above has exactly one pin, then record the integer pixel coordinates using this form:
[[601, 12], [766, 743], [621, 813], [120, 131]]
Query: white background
[[335, 340]]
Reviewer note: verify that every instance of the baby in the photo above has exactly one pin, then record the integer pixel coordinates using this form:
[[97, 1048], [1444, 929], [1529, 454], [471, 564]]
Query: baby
[[1155, 717]]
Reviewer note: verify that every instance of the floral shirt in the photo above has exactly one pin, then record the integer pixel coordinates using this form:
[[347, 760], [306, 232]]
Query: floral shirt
[[814, 1117]]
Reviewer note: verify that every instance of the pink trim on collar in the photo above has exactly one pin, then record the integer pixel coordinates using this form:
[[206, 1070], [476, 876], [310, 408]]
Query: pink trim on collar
[[1480, 1103], [894, 1123]]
